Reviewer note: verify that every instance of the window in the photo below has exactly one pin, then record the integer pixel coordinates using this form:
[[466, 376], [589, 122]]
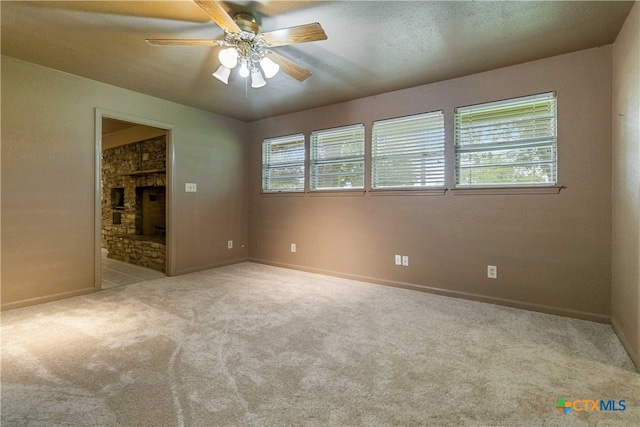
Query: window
[[408, 152], [504, 143], [283, 163], [337, 158]]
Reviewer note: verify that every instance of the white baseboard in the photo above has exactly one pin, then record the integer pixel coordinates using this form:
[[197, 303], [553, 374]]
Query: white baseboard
[[633, 354], [47, 298]]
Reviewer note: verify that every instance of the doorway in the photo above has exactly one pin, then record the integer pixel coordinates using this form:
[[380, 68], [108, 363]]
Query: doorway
[[132, 200]]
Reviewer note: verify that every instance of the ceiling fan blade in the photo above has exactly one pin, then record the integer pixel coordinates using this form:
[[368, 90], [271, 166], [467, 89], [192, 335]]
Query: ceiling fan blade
[[300, 34], [183, 42], [290, 67], [216, 12]]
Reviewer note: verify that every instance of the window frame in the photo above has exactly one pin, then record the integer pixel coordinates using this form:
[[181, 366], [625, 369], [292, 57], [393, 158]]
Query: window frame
[[548, 142], [315, 163], [404, 138], [297, 162]]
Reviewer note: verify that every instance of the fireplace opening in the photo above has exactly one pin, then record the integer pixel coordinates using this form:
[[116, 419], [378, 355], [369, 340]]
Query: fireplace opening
[[117, 198], [150, 211]]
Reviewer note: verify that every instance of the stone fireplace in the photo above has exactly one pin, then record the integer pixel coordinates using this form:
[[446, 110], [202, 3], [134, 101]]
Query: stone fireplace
[[134, 203]]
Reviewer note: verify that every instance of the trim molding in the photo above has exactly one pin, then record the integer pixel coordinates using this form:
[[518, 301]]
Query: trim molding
[[169, 162], [47, 298], [635, 357], [583, 315]]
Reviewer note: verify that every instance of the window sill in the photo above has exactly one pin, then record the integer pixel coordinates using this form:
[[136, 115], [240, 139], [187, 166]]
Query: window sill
[[480, 191], [283, 193], [337, 193], [408, 192]]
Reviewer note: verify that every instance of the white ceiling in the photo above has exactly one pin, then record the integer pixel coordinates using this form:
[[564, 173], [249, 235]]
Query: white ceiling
[[372, 46]]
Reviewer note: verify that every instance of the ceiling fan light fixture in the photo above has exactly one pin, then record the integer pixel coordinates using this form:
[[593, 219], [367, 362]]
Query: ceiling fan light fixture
[[256, 78], [269, 67], [222, 74], [228, 57]]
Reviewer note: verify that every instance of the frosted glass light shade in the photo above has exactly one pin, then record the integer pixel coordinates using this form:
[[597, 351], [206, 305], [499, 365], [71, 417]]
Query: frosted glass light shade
[[228, 57], [256, 78], [244, 69], [222, 74], [269, 67]]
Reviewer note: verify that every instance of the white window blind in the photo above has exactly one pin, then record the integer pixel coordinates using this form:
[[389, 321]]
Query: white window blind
[[510, 142], [408, 151], [283, 163], [337, 158]]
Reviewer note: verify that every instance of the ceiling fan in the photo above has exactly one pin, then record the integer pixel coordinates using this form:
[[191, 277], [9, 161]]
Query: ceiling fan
[[245, 45]]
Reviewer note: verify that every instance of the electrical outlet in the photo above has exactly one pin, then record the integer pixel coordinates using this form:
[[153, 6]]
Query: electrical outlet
[[398, 260], [293, 247], [230, 244], [191, 187], [492, 272], [405, 260]]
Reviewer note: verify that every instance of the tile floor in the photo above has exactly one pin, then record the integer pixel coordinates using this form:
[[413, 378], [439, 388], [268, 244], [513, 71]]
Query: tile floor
[[118, 273]]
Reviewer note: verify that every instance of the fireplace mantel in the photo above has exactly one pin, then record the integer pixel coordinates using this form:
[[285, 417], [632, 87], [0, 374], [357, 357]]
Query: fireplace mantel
[[141, 173]]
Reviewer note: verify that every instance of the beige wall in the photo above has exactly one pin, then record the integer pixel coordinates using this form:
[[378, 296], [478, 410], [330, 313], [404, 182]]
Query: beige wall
[[626, 185], [553, 252], [48, 182]]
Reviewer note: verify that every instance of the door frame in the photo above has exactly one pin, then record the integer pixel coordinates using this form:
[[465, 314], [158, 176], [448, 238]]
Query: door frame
[[106, 114]]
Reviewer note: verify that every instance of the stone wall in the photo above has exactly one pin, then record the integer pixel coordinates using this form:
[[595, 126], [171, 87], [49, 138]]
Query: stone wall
[[134, 181], [139, 250]]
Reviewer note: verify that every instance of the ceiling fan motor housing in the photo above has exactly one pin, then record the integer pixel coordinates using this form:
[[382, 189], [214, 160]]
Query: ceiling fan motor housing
[[247, 22]]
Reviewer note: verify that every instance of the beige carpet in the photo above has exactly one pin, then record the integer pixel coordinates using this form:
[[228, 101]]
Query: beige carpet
[[256, 345]]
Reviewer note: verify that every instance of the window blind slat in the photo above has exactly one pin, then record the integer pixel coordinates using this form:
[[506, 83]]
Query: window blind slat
[[506, 145]]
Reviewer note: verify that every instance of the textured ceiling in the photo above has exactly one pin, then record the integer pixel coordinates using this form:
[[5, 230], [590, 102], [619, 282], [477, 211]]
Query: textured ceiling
[[372, 47]]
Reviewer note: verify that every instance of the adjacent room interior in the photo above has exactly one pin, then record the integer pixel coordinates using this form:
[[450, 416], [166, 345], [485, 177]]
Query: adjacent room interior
[[295, 272], [134, 202]]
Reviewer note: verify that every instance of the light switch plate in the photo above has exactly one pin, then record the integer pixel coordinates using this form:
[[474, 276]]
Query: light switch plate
[[190, 187], [492, 272]]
